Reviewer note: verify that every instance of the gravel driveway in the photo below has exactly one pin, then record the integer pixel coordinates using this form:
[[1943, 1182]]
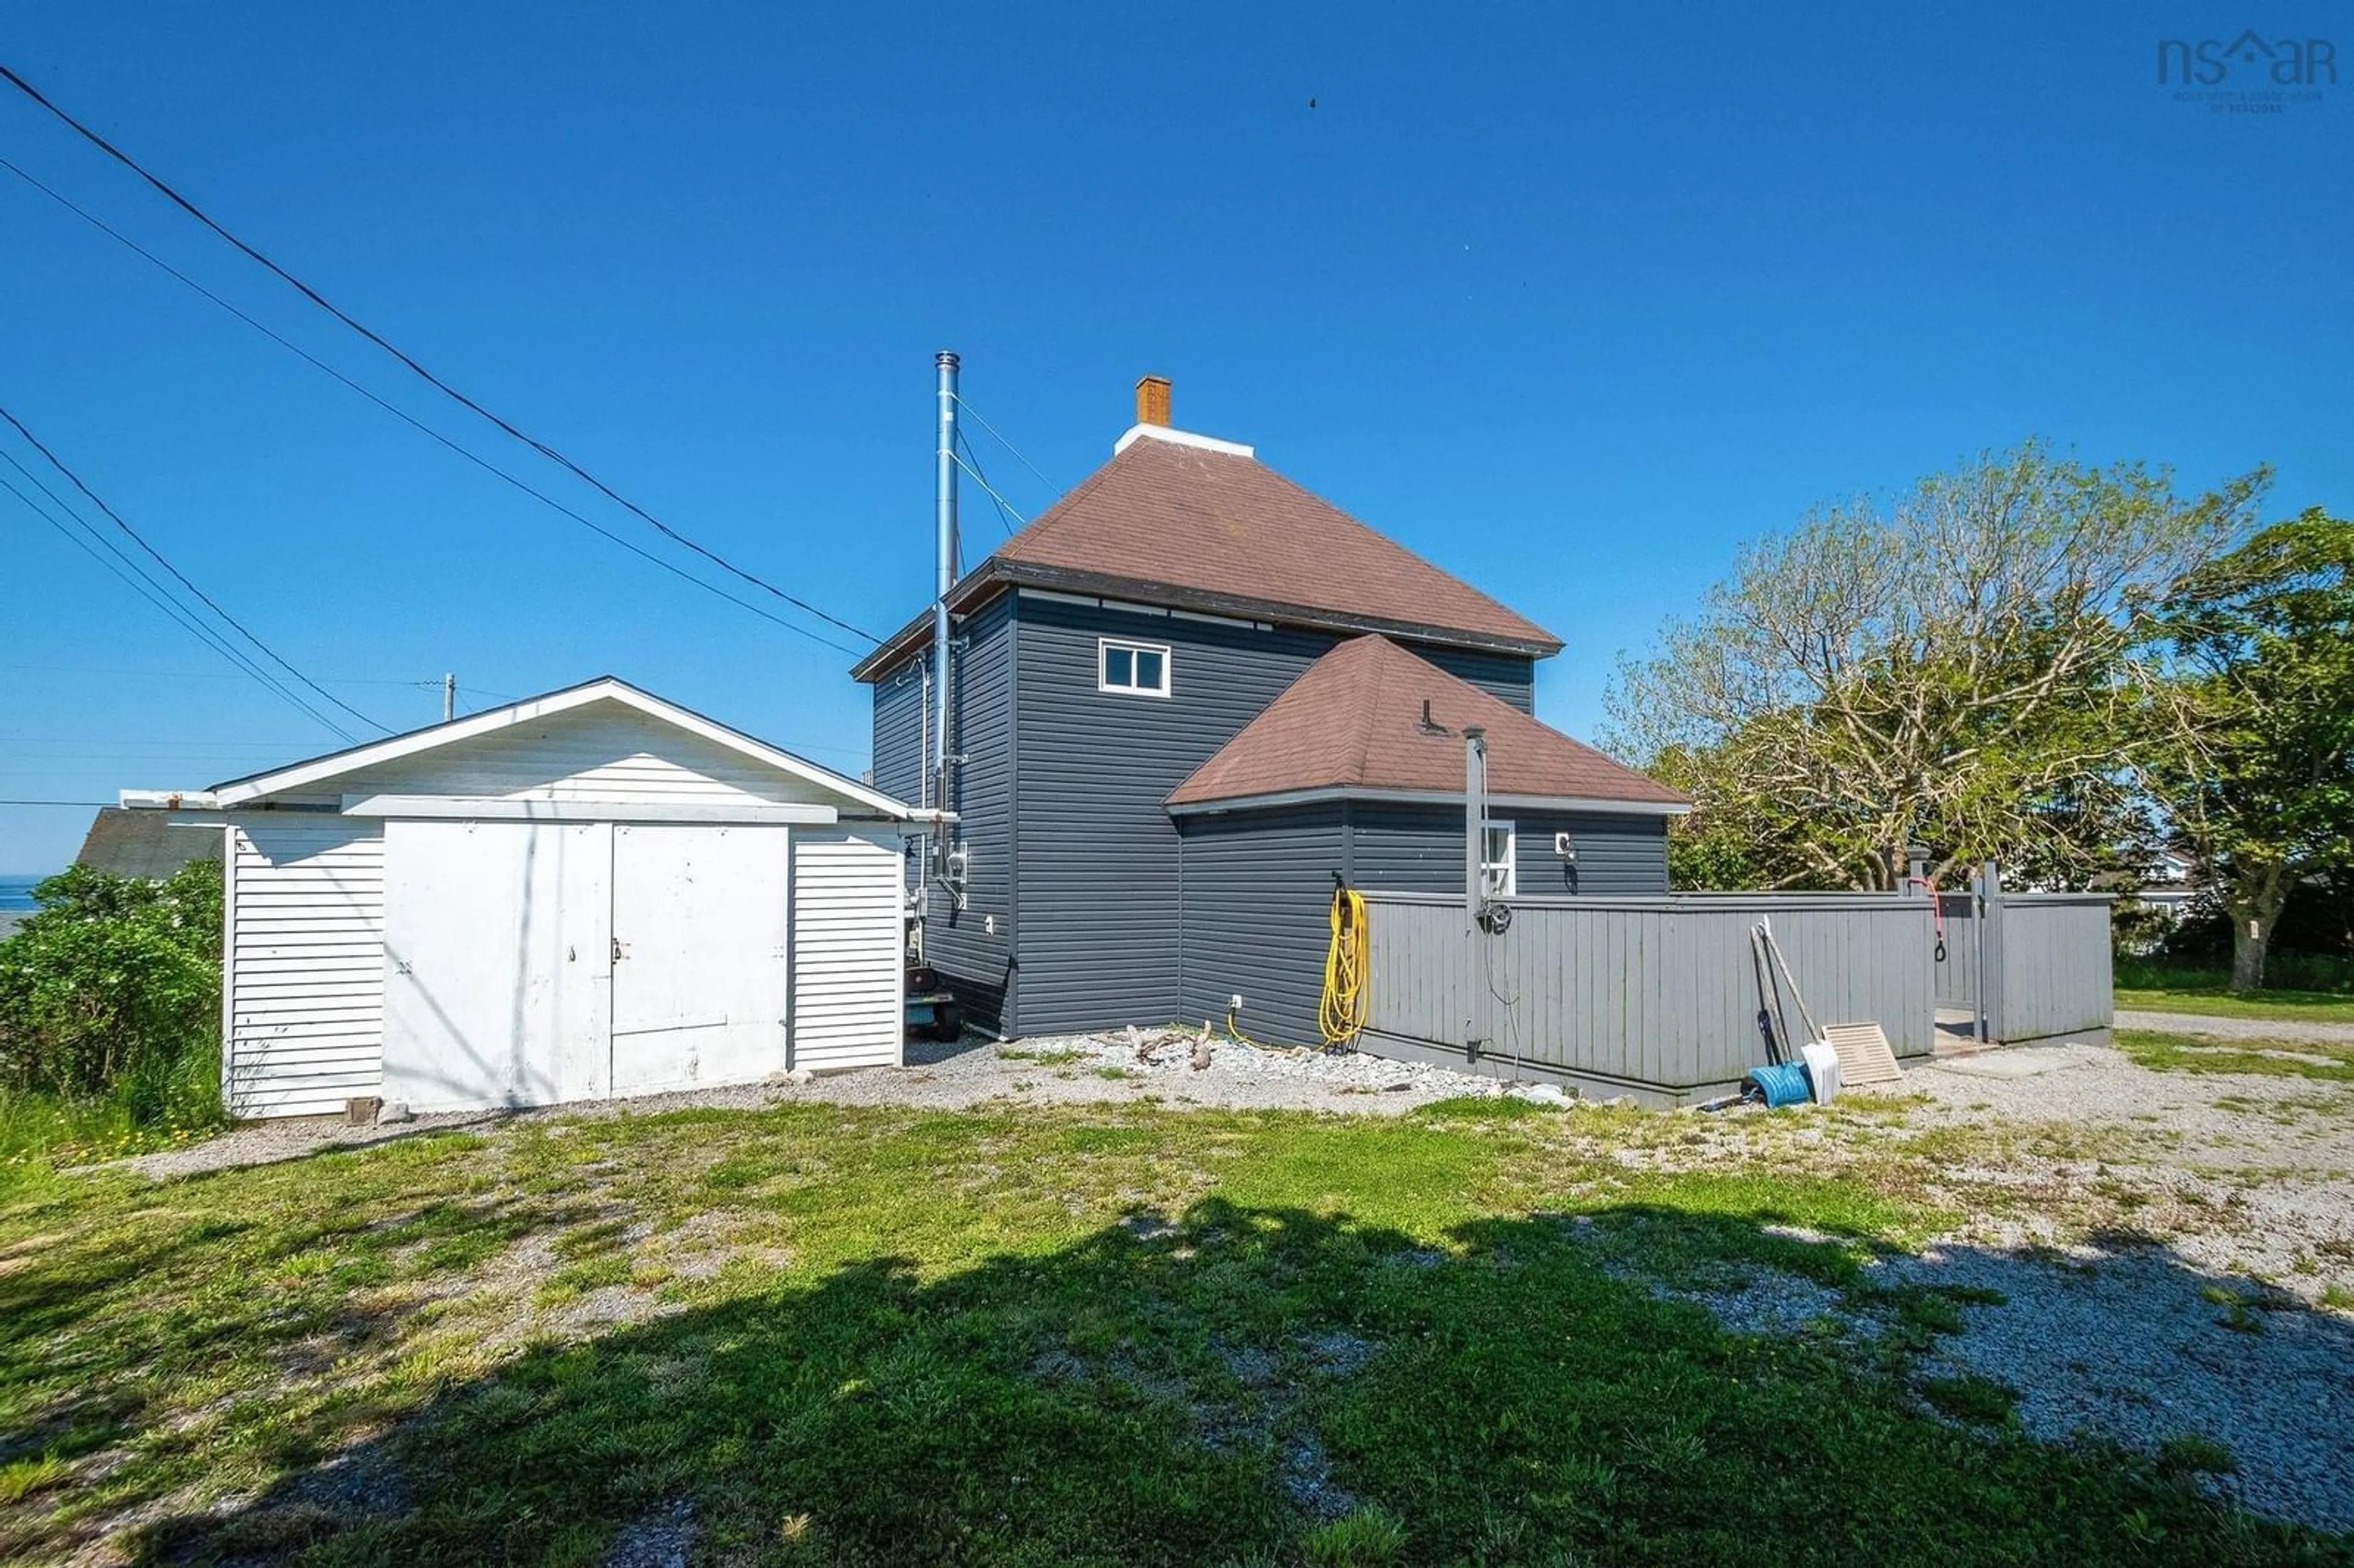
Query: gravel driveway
[[2292, 1029]]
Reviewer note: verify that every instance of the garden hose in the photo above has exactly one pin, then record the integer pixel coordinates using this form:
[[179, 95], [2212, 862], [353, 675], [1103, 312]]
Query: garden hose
[[1342, 1013]]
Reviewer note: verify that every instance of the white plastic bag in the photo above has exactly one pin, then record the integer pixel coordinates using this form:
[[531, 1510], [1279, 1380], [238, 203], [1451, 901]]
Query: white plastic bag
[[1822, 1070]]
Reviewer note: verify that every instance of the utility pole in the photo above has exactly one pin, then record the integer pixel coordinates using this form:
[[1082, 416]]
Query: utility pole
[[449, 698]]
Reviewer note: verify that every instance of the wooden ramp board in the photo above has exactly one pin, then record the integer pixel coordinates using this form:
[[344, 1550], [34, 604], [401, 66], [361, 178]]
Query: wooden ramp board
[[1863, 1054]]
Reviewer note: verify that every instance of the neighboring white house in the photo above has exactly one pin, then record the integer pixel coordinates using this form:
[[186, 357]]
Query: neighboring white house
[[586, 894]]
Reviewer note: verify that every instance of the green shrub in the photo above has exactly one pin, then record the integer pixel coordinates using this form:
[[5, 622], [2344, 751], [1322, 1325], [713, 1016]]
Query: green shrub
[[2283, 973], [113, 989]]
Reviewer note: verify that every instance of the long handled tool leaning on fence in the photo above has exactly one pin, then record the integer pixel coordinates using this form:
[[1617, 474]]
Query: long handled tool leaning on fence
[[1863, 1049]]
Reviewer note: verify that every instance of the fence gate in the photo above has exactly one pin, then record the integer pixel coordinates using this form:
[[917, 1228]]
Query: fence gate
[[1958, 983]]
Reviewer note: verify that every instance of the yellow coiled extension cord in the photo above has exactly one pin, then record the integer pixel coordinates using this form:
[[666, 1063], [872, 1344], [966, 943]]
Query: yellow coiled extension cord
[[1343, 1010]]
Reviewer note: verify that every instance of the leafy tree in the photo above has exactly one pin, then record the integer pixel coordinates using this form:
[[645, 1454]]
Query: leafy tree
[[113, 986], [2255, 777], [1949, 668]]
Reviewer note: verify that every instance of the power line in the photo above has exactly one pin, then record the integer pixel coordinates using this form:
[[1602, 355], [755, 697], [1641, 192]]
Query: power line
[[419, 425], [87, 804], [90, 541], [112, 151], [210, 603], [148, 745], [148, 589], [153, 596], [217, 676]]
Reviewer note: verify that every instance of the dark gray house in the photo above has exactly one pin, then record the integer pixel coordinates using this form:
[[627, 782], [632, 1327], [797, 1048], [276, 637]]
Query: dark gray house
[[1188, 698]]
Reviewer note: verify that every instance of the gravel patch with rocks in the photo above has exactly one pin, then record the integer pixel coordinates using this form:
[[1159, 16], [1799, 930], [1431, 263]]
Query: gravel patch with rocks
[[662, 1538], [1079, 1069], [2240, 1174], [2133, 1347], [1772, 1304], [2128, 1346]]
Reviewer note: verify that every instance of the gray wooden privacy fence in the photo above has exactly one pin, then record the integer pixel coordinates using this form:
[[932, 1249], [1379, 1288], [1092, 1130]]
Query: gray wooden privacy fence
[[2046, 965], [1658, 997]]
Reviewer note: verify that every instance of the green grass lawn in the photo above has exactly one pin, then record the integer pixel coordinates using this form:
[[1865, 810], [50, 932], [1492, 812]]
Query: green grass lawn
[[1094, 1335], [2305, 1006]]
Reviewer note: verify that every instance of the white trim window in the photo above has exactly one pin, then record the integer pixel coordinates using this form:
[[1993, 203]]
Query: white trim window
[[1134, 669], [1498, 842]]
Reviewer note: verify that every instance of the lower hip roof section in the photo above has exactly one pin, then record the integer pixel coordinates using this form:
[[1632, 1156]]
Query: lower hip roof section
[[1371, 719]]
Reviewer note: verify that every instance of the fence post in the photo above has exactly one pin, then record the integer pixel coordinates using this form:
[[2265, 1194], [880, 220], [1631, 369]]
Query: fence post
[[1989, 907]]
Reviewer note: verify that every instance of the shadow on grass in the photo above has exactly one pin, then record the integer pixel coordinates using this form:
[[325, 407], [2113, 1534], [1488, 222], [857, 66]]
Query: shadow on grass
[[1225, 1385], [291, 1307]]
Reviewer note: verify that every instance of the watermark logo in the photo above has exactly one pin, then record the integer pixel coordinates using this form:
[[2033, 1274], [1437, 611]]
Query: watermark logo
[[2250, 74]]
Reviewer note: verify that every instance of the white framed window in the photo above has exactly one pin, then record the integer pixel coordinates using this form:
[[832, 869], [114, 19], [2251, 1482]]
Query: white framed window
[[1138, 669], [1497, 841]]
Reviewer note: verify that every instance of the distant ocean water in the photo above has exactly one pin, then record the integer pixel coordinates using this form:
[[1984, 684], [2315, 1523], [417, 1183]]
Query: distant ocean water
[[17, 892]]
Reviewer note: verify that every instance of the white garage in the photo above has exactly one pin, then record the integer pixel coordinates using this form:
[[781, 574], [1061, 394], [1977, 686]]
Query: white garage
[[587, 894]]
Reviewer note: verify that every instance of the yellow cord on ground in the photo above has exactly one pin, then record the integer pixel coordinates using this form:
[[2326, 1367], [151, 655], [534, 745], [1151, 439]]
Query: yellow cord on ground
[[1343, 1010]]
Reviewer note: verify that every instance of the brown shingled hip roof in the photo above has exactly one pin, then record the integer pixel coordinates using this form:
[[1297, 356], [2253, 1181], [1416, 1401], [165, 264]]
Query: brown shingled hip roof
[[1210, 529], [1353, 723]]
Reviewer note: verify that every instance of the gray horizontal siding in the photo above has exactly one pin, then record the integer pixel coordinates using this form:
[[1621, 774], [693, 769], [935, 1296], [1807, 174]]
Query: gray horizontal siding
[[898, 733], [1099, 871], [976, 960], [899, 744], [1419, 848], [1257, 889], [1061, 792], [1501, 675]]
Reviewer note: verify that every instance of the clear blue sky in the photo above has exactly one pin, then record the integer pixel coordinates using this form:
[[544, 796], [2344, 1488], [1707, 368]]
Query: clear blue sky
[[1570, 300]]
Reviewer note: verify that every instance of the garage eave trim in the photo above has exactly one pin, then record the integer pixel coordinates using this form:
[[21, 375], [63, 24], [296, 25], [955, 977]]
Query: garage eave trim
[[499, 810], [319, 769]]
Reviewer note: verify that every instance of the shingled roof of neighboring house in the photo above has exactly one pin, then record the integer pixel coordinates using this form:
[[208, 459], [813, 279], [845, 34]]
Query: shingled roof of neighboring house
[[1177, 520], [144, 844], [1355, 724]]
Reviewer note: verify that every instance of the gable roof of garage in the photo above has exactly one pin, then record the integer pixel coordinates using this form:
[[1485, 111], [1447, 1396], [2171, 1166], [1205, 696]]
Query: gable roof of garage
[[1371, 720], [318, 770]]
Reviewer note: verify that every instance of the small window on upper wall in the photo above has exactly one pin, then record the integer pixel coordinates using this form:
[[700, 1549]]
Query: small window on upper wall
[[1139, 669]]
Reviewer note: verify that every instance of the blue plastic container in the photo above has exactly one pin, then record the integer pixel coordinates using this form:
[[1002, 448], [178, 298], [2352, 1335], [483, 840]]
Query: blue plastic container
[[1782, 1082]]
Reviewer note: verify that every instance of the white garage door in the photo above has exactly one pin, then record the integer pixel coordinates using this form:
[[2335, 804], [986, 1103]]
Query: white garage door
[[527, 963], [699, 955], [496, 977]]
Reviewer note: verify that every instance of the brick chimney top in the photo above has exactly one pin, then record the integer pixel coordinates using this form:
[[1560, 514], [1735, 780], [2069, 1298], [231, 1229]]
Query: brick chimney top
[[1152, 400]]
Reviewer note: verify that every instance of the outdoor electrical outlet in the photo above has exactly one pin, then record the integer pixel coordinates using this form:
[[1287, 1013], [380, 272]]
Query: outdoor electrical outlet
[[989, 925], [1234, 1002]]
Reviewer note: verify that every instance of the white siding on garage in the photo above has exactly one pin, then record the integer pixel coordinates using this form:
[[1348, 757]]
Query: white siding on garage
[[605, 751], [848, 994], [305, 976]]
